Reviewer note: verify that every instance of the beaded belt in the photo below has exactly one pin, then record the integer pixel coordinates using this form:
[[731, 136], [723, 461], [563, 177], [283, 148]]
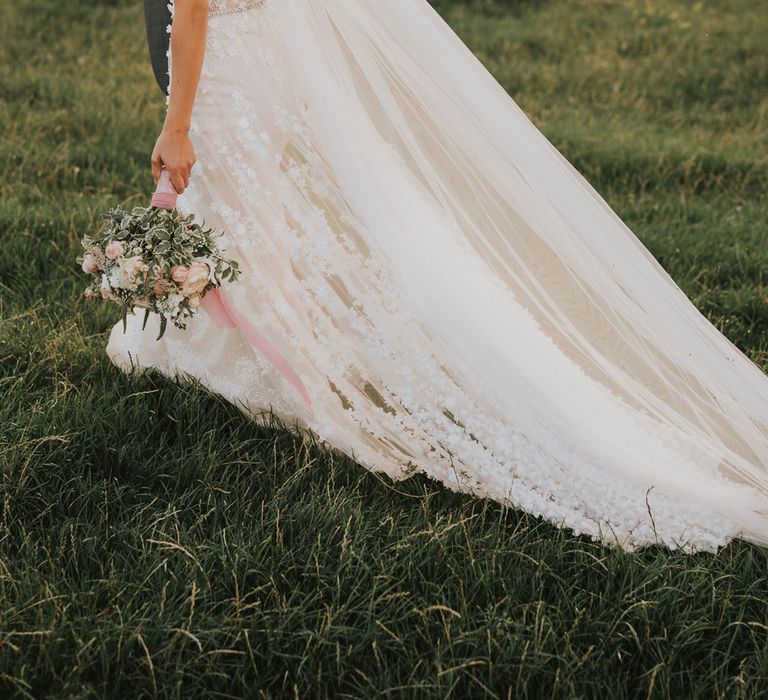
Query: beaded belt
[[249, 6]]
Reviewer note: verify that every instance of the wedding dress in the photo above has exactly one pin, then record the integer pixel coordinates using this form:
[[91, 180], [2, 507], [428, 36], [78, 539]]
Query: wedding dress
[[456, 299]]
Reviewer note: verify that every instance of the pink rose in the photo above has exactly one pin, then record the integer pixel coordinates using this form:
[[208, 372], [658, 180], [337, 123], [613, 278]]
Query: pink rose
[[194, 301], [179, 273], [197, 279], [104, 293], [89, 263], [88, 293], [114, 250]]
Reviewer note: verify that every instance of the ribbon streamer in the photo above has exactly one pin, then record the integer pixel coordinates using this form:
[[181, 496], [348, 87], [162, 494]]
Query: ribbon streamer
[[220, 309], [223, 313]]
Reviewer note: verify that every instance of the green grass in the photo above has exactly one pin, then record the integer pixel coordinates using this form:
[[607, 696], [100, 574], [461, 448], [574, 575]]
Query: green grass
[[154, 542]]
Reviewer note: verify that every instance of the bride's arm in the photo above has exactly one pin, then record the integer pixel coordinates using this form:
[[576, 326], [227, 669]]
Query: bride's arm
[[173, 148]]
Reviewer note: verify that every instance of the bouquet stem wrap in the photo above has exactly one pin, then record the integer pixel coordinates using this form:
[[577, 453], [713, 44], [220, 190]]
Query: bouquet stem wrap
[[220, 309]]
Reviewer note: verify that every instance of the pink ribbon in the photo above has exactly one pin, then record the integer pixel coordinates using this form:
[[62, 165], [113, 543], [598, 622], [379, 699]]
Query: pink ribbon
[[221, 310], [218, 306]]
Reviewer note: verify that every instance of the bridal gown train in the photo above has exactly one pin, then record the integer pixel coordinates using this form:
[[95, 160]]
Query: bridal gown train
[[456, 299]]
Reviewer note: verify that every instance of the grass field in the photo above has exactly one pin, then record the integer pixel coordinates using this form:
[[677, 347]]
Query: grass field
[[153, 542]]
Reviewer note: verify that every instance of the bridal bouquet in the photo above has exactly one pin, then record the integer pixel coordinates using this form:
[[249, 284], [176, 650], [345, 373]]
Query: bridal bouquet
[[155, 258]]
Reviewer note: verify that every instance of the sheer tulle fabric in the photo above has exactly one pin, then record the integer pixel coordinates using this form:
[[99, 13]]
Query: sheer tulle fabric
[[456, 298]]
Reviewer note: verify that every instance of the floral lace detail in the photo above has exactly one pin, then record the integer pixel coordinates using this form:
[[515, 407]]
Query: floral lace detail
[[384, 389], [223, 7]]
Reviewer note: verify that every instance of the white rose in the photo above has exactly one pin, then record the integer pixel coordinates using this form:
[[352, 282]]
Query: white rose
[[128, 271], [197, 279]]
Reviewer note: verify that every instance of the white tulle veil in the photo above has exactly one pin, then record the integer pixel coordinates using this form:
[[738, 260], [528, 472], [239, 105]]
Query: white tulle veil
[[394, 69]]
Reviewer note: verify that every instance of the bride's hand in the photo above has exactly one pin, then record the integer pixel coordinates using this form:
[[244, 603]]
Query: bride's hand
[[175, 151]]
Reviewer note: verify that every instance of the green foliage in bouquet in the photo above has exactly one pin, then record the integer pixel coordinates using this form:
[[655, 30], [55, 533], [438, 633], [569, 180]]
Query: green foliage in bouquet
[[155, 259]]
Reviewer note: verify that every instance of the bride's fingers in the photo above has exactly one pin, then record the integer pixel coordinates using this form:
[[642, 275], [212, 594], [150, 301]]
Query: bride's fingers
[[177, 179]]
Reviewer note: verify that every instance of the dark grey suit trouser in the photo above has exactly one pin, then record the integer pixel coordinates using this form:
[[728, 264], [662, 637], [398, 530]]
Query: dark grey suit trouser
[[157, 17]]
